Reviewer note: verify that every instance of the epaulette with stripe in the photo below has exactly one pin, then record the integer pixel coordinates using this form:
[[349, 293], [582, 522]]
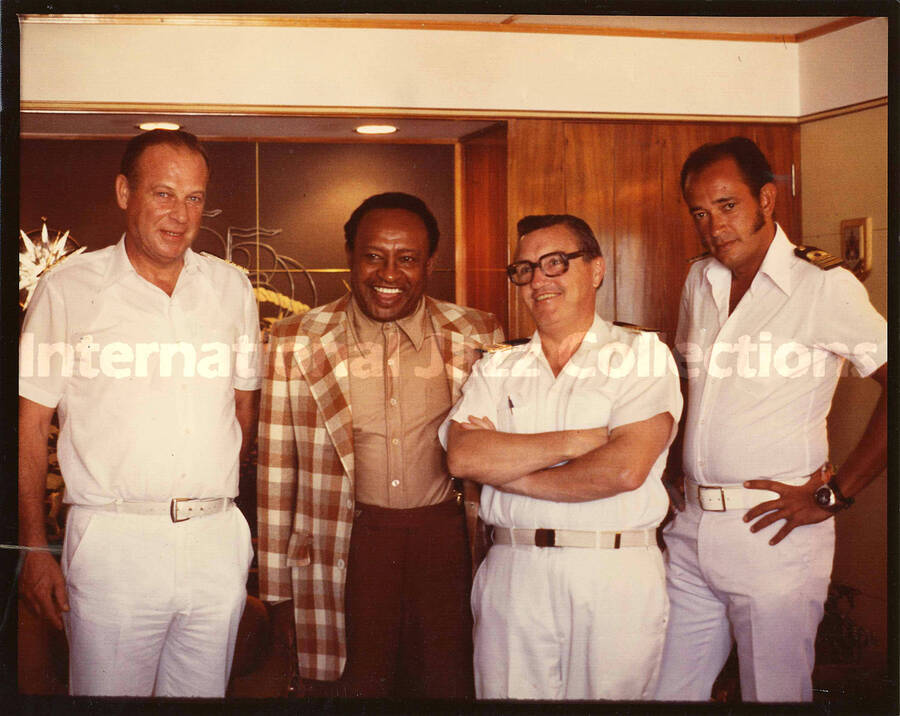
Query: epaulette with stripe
[[500, 347], [225, 261], [699, 257], [634, 327], [818, 257]]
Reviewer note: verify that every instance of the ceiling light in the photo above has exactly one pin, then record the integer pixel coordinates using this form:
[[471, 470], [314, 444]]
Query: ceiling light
[[148, 126], [376, 129]]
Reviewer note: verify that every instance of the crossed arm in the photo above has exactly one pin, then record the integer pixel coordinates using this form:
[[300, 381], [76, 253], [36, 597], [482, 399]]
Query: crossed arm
[[597, 463]]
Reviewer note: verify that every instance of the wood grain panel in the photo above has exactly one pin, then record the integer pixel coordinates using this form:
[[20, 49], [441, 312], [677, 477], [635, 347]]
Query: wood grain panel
[[642, 259], [590, 178], [536, 185], [645, 231], [777, 143], [484, 223]]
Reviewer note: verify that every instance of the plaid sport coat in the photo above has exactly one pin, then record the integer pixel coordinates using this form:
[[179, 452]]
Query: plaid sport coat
[[306, 466]]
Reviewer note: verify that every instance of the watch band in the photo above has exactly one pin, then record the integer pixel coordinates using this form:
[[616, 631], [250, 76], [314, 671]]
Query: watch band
[[845, 501]]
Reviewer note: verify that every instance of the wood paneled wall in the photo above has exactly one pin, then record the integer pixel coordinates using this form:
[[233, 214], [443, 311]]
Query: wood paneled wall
[[623, 179], [480, 277]]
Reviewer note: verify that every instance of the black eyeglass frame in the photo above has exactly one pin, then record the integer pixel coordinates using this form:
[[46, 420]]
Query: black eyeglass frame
[[534, 265]]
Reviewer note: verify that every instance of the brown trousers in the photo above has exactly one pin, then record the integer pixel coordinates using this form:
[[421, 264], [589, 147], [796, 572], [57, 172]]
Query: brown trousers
[[409, 623]]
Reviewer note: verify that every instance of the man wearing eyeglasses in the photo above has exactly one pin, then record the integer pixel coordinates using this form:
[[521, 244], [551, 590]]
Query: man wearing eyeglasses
[[568, 434]]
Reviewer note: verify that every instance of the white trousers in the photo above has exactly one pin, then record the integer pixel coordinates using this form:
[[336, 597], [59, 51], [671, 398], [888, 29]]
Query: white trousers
[[154, 605], [726, 582], [568, 623]]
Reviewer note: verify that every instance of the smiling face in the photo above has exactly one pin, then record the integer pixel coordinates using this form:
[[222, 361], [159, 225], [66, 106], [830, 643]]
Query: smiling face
[[163, 205], [733, 224], [389, 263], [563, 303]]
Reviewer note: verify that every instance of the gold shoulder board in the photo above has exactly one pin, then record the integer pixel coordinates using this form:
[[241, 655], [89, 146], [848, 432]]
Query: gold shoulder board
[[225, 261], [496, 348], [500, 347], [818, 257], [634, 327]]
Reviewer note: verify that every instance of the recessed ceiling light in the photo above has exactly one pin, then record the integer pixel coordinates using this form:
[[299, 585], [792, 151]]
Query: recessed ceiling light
[[148, 126], [376, 129]]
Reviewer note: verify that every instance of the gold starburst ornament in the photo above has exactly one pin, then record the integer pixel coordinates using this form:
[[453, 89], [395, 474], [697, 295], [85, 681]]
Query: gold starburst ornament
[[40, 257]]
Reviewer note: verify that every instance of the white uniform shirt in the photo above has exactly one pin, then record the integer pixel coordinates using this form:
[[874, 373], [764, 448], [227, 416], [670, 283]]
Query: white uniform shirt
[[616, 377], [146, 399], [762, 379]]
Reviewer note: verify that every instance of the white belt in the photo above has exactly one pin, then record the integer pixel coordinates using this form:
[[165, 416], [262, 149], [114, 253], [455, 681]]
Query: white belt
[[179, 509], [573, 538], [719, 498]]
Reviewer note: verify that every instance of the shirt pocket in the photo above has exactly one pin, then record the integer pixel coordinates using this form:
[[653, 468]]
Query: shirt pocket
[[515, 414], [585, 409]]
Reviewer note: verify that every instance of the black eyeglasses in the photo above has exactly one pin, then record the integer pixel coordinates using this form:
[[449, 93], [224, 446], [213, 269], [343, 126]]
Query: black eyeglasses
[[556, 263]]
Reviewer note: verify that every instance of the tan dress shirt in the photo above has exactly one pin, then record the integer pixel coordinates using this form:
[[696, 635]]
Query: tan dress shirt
[[399, 397]]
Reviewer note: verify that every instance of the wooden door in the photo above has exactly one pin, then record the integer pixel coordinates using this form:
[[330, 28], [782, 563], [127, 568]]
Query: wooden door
[[481, 246]]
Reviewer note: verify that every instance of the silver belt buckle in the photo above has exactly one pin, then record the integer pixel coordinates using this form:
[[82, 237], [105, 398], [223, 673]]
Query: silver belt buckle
[[173, 509], [721, 499]]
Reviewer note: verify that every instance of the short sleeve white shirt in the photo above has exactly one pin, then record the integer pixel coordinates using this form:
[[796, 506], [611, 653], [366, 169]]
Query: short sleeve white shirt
[[617, 376], [761, 380], [143, 382]]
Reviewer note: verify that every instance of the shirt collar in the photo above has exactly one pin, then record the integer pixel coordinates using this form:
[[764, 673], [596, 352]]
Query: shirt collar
[[366, 330], [597, 335], [778, 260], [776, 265], [121, 266]]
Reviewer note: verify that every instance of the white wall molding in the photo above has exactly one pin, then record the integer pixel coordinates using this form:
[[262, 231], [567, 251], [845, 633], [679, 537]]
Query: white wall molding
[[448, 70]]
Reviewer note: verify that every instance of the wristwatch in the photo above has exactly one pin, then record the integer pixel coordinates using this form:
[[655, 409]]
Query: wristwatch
[[829, 497]]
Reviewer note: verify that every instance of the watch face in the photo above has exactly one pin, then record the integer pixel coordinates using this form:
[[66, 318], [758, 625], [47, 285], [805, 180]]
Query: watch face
[[824, 496]]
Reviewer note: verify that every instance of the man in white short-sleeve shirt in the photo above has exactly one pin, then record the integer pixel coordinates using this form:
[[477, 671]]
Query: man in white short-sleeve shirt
[[148, 352], [568, 434], [764, 330]]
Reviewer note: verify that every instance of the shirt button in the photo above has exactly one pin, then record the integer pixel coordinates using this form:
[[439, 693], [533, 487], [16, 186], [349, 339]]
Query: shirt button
[[393, 401], [340, 564], [395, 483], [349, 504], [395, 441]]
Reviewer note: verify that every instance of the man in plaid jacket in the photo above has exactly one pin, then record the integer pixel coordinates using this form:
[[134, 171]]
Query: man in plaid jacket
[[362, 541]]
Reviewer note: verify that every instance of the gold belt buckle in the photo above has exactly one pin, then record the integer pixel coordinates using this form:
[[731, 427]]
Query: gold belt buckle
[[721, 498]]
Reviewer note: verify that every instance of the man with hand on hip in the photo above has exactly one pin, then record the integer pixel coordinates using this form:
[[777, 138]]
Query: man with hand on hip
[[764, 330]]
